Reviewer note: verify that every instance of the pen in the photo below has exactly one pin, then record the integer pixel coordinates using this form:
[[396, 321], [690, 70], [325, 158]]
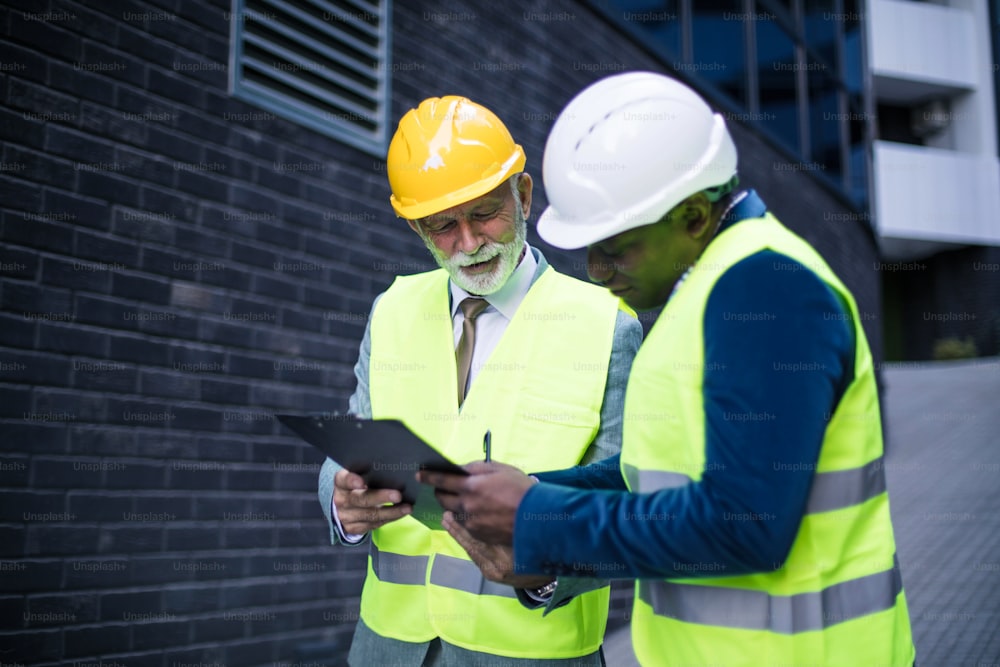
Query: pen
[[486, 445]]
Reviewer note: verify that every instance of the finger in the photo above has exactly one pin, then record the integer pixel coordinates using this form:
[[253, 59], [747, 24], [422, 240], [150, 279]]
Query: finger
[[361, 521], [374, 497], [482, 467], [489, 560], [457, 531], [449, 501], [346, 479], [442, 480], [472, 546]]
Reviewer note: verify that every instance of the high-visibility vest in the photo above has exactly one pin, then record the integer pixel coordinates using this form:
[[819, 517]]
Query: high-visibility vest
[[540, 394], [837, 600]]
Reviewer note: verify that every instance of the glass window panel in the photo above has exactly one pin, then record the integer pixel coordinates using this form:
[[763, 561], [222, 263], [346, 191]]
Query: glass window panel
[[786, 5], [820, 19], [852, 75], [777, 72], [826, 121], [780, 10], [659, 19], [719, 46], [857, 130]]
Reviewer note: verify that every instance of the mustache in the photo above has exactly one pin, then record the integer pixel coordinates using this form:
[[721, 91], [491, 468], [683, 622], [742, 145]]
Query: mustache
[[484, 254]]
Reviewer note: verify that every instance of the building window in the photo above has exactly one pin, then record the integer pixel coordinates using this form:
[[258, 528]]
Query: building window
[[719, 47], [792, 68], [322, 64], [778, 89]]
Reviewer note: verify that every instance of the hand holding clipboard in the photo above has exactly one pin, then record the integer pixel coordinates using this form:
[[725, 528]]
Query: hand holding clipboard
[[385, 453]]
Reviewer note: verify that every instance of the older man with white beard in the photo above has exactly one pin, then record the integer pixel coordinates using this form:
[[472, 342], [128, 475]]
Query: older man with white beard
[[495, 340]]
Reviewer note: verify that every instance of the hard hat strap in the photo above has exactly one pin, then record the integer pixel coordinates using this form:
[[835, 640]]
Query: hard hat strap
[[716, 193]]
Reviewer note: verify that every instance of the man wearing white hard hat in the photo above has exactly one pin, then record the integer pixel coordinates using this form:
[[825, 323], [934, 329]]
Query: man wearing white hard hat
[[750, 503]]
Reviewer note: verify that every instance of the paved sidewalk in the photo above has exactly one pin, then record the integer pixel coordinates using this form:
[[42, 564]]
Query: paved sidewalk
[[943, 470]]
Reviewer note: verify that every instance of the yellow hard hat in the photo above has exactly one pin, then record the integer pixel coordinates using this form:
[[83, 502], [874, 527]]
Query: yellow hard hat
[[447, 151]]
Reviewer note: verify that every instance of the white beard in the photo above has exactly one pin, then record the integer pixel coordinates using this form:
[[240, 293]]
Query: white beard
[[483, 284]]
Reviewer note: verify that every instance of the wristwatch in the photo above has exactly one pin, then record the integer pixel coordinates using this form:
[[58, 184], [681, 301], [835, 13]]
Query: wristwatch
[[547, 590]]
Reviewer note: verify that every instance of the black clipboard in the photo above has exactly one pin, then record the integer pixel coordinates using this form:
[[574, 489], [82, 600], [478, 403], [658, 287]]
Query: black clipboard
[[384, 452]]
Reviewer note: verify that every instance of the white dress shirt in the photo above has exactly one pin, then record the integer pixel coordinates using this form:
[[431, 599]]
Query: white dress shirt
[[492, 322]]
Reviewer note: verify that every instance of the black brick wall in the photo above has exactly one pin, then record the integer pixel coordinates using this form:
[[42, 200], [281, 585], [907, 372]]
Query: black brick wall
[[167, 285]]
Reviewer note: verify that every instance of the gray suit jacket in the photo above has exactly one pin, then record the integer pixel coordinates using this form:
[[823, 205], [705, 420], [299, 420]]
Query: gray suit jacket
[[369, 648]]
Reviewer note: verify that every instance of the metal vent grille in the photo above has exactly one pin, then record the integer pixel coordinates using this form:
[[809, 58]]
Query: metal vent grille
[[320, 63]]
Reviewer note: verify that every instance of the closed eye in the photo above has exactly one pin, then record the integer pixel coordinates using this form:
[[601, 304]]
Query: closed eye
[[486, 215], [440, 228]]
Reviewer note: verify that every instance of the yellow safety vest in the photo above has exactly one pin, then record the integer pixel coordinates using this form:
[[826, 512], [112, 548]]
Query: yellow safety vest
[[838, 599], [540, 394]]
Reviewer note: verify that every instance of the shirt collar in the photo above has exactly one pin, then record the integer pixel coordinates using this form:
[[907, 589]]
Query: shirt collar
[[506, 299], [748, 205]]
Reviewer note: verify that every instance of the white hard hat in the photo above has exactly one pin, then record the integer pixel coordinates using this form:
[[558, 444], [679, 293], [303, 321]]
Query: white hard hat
[[626, 150]]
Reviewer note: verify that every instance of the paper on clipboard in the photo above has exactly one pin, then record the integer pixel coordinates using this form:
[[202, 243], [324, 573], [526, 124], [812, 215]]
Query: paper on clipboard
[[384, 452]]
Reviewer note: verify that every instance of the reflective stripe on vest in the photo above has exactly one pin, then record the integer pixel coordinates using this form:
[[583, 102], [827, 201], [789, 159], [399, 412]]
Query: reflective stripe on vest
[[464, 575], [757, 610], [838, 489], [830, 491], [398, 568], [647, 481]]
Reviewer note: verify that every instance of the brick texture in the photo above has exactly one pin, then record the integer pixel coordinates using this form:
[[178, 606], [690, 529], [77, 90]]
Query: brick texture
[[167, 287]]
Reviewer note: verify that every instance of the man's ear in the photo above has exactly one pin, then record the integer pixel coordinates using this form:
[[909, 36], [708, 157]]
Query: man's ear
[[696, 215], [525, 185]]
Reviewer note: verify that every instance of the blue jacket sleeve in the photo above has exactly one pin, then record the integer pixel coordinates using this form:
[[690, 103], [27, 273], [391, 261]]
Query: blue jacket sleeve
[[605, 474], [772, 380]]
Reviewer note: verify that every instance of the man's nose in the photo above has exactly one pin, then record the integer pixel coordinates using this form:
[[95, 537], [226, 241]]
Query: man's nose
[[469, 240]]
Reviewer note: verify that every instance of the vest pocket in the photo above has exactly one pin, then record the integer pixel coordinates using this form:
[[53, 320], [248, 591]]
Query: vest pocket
[[556, 433]]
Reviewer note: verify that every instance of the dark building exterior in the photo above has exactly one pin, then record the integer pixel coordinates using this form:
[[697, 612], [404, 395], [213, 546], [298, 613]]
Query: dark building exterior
[[181, 260]]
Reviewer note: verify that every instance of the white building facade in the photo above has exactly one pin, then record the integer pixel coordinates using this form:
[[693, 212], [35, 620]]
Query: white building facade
[[935, 176]]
